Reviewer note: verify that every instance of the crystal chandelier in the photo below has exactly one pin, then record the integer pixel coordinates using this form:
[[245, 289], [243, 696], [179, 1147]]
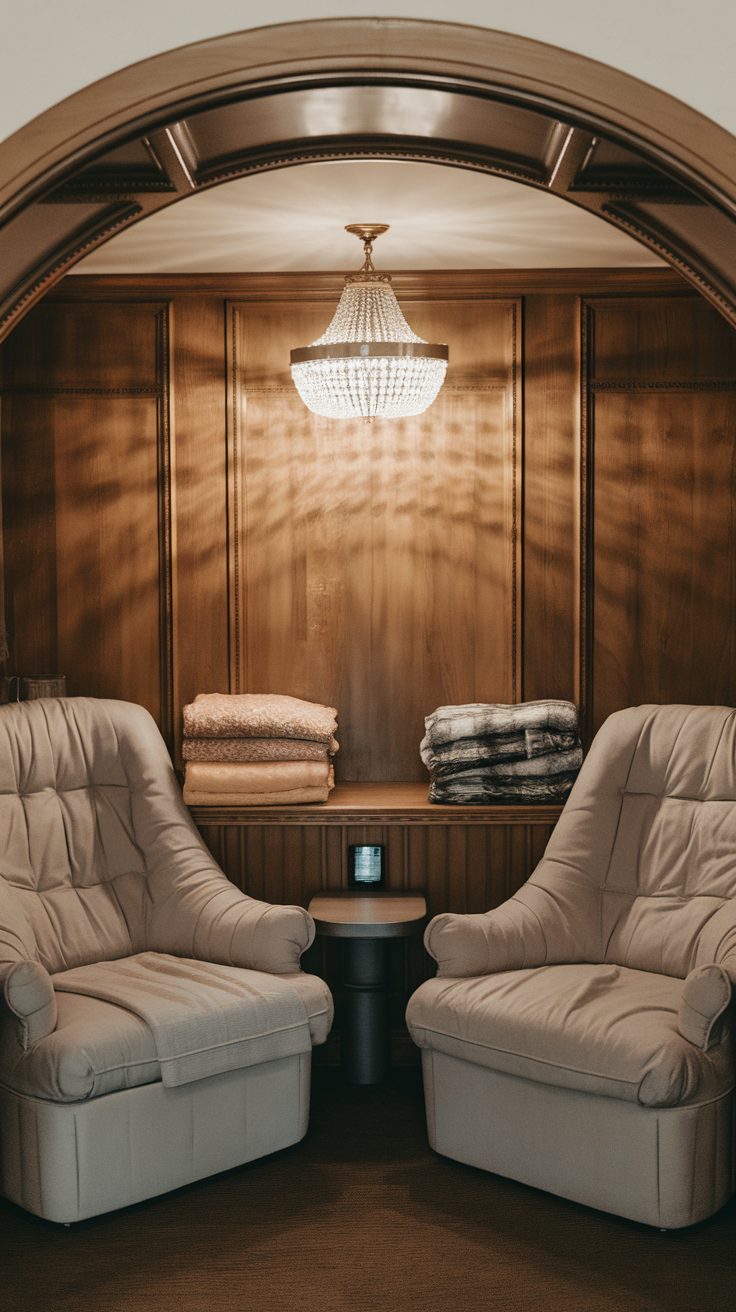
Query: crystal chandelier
[[369, 364]]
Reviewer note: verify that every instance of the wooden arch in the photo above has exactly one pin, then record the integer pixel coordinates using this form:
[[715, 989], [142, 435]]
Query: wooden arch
[[161, 130]]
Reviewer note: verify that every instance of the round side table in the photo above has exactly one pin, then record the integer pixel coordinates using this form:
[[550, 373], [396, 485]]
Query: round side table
[[367, 921]]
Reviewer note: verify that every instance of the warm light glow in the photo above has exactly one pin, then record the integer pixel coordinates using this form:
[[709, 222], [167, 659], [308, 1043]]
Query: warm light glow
[[368, 364]]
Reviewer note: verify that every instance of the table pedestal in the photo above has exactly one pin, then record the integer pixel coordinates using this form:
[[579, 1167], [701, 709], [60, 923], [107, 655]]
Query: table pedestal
[[367, 921], [366, 1036]]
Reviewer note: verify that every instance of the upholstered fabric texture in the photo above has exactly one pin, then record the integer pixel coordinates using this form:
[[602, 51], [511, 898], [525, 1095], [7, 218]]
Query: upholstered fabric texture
[[101, 864], [639, 871], [666, 1167], [29, 994], [205, 1019], [97, 1047], [100, 857], [601, 1029], [610, 970], [67, 1162]]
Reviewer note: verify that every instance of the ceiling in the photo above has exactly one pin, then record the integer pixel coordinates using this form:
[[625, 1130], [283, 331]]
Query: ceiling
[[440, 217]]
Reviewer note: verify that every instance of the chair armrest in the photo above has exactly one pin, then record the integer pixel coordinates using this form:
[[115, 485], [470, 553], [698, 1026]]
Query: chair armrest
[[705, 997], [538, 926], [261, 935], [484, 944], [214, 921], [29, 995]]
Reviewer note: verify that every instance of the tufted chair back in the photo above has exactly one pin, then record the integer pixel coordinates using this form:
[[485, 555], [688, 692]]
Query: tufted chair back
[[98, 856], [641, 869]]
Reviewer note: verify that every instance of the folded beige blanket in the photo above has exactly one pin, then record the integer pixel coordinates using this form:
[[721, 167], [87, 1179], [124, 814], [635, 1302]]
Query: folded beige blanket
[[258, 776], [258, 715], [205, 1019], [256, 749], [299, 795]]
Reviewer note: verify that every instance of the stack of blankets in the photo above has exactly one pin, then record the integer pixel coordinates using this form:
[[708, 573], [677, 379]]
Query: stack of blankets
[[257, 749], [490, 755]]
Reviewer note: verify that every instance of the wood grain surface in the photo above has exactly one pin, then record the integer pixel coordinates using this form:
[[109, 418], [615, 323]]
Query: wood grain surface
[[375, 565], [376, 803], [368, 915], [83, 441], [658, 586]]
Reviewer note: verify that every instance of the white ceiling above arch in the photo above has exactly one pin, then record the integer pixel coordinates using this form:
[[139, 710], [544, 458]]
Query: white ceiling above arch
[[440, 217]]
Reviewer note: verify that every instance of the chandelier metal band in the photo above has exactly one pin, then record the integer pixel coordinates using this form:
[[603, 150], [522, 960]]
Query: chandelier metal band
[[363, 350]]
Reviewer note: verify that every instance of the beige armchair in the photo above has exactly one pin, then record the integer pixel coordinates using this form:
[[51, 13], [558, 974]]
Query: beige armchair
[[155, 1025], [578, 1038]]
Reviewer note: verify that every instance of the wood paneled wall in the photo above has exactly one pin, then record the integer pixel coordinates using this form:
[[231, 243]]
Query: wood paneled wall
[[375, 566], [87, 495], [659, 541], [559, 524]]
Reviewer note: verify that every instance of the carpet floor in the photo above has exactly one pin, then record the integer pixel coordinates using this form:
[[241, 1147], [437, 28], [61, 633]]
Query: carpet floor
[[363, 1217]]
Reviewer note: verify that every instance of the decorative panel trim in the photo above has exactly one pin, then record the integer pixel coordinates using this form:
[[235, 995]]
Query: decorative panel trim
[[20, 390], [446, 387], [166, 534], [236, 401], [585, 586], [310, 815], [80, 244], [673, 385], [696, 269], [422, 284], [517, 582], [590, 387]]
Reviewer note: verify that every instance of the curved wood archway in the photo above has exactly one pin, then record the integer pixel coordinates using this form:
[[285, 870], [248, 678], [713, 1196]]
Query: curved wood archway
[[157, 132]]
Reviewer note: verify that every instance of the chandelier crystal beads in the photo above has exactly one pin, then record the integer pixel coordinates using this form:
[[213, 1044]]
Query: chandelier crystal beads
[[368, 364]]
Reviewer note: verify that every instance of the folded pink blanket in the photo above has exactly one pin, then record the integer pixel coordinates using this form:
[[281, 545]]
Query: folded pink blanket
[[258, 776], [256, 749], [298, 796], [258, 715]]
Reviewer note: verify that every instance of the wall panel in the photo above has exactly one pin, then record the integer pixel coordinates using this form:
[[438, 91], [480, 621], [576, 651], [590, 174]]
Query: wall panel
[[658, 588], [551, 445], [200, 549], [375, 567], [87, 501]]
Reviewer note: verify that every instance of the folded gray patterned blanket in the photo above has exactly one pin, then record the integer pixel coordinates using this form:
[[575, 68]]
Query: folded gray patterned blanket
[[487, 753], [484, 719], [475, 788], [541, 767], [495, 749]]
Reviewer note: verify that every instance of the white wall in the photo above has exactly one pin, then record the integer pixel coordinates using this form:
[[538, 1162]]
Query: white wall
[[52, 48]]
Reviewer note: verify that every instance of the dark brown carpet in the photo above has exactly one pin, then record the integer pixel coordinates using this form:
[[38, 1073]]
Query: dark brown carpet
[[363, 1216]]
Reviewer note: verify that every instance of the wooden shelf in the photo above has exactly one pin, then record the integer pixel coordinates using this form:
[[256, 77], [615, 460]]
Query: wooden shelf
[[376, 804]]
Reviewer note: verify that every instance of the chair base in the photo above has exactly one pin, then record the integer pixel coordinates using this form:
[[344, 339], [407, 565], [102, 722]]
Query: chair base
[[665, 1167], [68, 1161]]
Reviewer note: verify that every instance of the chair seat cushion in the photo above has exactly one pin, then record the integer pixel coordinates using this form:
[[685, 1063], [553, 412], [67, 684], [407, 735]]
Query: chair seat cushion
[[98, 1047], [599, 1028]]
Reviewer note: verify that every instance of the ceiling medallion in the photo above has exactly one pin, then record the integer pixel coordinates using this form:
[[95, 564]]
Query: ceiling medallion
[[369, 364]]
